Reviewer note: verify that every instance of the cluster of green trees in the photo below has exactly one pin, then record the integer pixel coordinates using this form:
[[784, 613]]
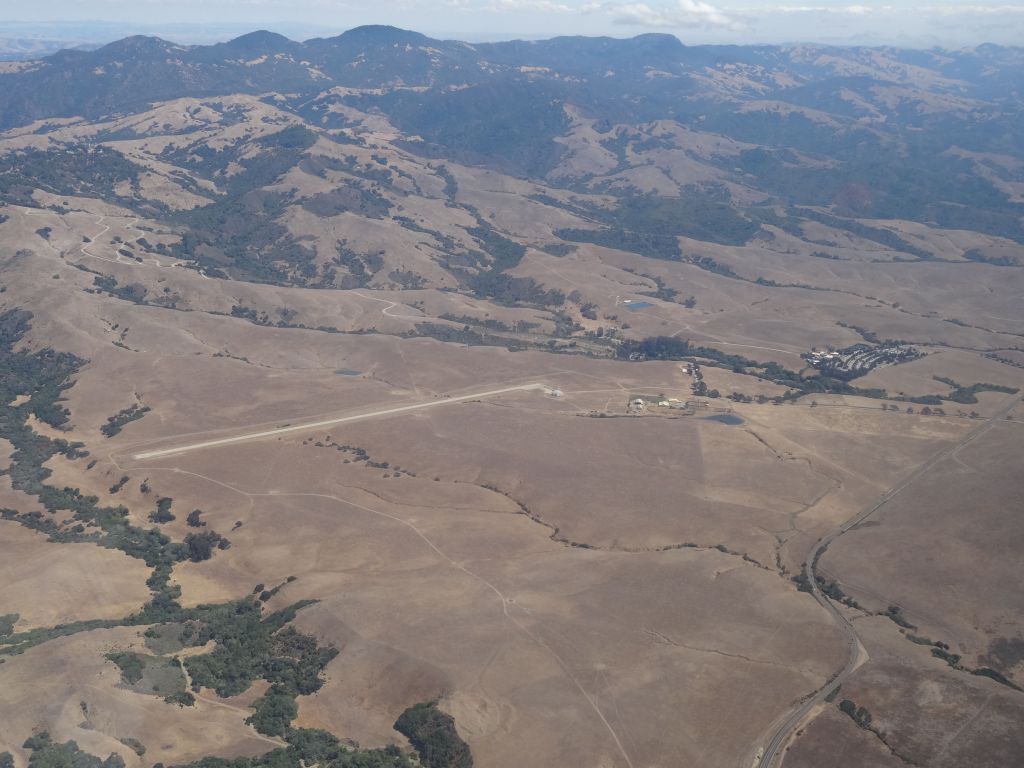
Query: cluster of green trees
[[941, 650], [860, 715], [133, 292], [432, 732], [885, 237], [44, 375], [694, 213], [19, 642], [506, 124], [514, 291], [651, 226], [485, 272], [361, 266], [7, 622], [92, 171], [309, 747], [653, 246], [966, 395], [134, 745], [674, 348], [708, 264], [132, 665], [201, 546], [117, 422], [407, 279], [463, 335], [915, 183], [163, 512], [352, 198], [250, 646], [48, 754], [240, 228], [997, 261], [306, 748], [488, 322], [267, 594], [247, 645]]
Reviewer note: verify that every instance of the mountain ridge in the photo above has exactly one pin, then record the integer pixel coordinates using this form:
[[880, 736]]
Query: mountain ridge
[[125, 74]]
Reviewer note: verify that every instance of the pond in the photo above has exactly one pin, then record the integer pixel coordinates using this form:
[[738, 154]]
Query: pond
[[348, 372], [633, 306], [725, 418]]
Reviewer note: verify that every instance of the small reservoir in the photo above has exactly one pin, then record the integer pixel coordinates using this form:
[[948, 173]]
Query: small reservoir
[[725, 418], [633, 305]]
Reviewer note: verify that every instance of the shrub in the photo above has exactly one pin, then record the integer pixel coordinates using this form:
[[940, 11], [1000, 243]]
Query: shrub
[[163, 511]]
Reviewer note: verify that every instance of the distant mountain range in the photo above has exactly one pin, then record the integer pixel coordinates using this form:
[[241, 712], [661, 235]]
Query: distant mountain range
[[650, 76], [722, 144], [25, 40], [28, 48]]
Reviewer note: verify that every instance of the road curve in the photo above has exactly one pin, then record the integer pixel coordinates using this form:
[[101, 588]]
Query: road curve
[[277, 432], [390, 305], [774, 747]]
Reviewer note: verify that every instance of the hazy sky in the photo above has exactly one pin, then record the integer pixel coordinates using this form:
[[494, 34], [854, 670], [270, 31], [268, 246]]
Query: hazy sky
[[906, 22]]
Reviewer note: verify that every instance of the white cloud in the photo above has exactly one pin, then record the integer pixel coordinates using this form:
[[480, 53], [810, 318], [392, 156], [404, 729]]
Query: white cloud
[[529, 5], [952, 10], [923, 11], [852, 10], [680, 13]]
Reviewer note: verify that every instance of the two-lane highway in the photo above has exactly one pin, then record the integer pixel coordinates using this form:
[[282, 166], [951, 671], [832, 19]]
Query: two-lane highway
[[774, 748]]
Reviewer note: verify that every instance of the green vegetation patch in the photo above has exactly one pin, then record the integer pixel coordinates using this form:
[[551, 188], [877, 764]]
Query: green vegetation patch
[[859, 715], [7, 622], [90, 171], [306, 748], [247, 645], [996, 675], [693, 214], [432, 732], [170, 637], [117, 422], [130, 664], [48, 754], [149, 674], [43, 376], [19, 642], [134, 745], [966, 395], [240, 230], [506, 123], [651, 226], [645, 244], [310, 747], [485, 272], [163, 512], [674, 348], [250, 647]]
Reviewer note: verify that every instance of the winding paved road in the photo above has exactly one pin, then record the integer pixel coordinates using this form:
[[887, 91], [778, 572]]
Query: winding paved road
[[775, 746]]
